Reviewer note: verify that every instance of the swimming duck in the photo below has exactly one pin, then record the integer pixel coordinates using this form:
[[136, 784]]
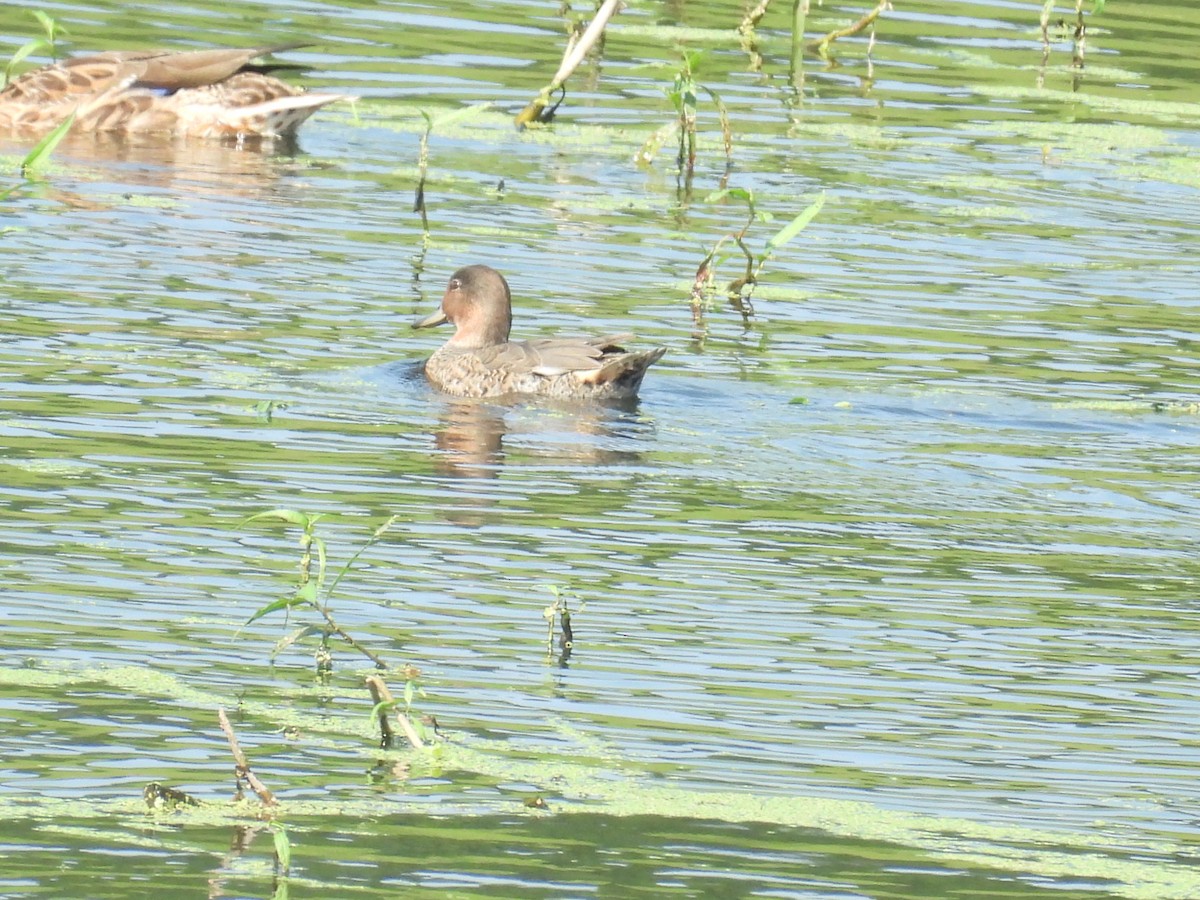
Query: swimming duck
[[480, 360], [200, 93]]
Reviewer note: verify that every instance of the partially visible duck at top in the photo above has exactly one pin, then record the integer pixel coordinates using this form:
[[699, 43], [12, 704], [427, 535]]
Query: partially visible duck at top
[[193, 93], [480, 360]]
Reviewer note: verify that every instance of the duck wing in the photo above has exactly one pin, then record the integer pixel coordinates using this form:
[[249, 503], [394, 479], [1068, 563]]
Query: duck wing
[[170, 70], [551, 356]]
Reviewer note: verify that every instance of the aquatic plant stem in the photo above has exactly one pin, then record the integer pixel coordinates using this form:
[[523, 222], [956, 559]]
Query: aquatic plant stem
[[308, 593], [36, 158], [753, 17], [335, 628], [746, 33], [242, 765], [821, 45], [1080, 37], [1044, 22], [422, 172], [704, 277], [383, 698], [381, 694], [799, 17], [574, 55]]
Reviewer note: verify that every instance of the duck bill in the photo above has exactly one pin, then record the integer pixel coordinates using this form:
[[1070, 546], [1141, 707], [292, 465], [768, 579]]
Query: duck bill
[[436, 318]]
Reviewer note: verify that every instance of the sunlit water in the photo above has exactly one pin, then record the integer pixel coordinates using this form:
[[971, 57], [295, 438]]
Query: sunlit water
[[887, 591]]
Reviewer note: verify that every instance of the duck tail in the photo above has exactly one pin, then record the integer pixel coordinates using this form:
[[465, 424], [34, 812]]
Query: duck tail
[[277, 117], [624, 372]]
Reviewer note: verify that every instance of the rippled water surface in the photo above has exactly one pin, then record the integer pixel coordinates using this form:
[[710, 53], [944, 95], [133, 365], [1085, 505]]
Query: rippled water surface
[[886, 590]]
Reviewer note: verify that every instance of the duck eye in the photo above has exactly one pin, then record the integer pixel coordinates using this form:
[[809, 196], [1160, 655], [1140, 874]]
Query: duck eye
[[455, 284]]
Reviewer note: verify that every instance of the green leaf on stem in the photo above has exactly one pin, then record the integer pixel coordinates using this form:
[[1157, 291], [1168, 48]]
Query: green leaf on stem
[[789, 231]]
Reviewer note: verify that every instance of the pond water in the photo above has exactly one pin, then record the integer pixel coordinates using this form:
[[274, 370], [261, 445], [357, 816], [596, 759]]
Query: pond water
[[887, 590]]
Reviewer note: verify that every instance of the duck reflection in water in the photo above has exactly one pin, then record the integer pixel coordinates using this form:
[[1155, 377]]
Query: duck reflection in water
[[472, 434], [199, 169]]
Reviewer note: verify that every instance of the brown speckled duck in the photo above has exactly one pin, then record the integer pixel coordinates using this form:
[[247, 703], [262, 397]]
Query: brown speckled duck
[[480, 360], [199, 93]]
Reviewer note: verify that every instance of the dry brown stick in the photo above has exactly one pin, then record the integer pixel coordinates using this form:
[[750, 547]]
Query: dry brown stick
[[380, 693], [821, 44], [576, 51], [242, 765]]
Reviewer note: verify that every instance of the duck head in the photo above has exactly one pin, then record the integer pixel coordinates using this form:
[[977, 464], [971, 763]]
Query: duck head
[[479, 305]]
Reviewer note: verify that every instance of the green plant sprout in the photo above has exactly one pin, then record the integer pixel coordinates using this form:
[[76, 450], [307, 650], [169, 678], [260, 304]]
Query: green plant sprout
[[35, 159], [282, 861], [741, 289], [311, 592], [51, 32], [683, 94], [283, 849]]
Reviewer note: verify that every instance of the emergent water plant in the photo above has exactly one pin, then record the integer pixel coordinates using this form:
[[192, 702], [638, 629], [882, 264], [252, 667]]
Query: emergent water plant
[[1078, 32], [48, 43], [684, 95], [311, 593], [741, 289], [578, 45], [560, 610], [35, 160], [432, 122], [417, 732], [820, 45]]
